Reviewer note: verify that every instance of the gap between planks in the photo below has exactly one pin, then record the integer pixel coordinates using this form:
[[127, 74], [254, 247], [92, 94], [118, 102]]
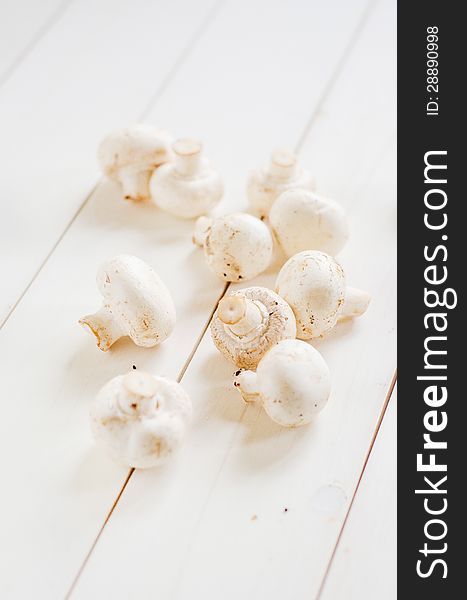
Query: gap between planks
[[336, 73], [305, 133], [143, 115], [132, 470], [362, 472], [36, 38]]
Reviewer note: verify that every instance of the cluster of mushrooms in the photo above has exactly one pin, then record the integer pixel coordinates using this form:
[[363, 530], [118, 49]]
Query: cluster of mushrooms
[[140, 418]]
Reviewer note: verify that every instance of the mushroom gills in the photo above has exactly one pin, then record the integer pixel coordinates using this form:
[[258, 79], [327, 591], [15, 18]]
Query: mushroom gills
[[249, 322]]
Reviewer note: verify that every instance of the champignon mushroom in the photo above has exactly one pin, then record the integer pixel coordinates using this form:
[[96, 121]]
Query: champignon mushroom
[[292, 382], [313, 284], [136, 303], [248, 322], [188, 187], [237, 247], [301, 220], [283, 173], [140, 419], [130, 155]]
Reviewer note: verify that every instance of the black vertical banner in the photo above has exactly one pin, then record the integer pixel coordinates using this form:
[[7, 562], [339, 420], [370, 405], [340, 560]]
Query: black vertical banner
[[432, 255]]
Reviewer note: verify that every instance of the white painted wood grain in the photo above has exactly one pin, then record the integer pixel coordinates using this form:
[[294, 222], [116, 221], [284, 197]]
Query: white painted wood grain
[[22, 24], [364, 566], [61, 486], [97, 70], [215, 522]]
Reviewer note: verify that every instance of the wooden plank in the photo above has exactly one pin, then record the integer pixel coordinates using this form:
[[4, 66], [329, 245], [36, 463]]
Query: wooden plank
[[23, 23], [97, 70], [249, 509], [62, 487], [364, 566]]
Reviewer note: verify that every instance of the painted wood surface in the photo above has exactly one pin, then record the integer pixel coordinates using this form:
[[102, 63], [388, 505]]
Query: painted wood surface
[[364, 565], [23, 23], [102, 66], [215, 518], [271, 502]]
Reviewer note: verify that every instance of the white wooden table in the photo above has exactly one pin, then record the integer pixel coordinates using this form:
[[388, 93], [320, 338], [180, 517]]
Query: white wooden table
[[246, 510]]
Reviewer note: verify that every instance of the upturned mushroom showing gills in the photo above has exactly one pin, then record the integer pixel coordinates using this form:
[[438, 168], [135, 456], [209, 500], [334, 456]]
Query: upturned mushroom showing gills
[[188, 187], [130, 155], [140, 419], [237, 247], [136, 303], [313, 284], [301, 220], [282, 173], [292, 382], [249, 322]]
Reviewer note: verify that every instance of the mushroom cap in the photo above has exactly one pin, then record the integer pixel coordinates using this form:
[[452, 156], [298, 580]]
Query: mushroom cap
[[141, 147], [278, 324], [186, 196], [265, 185], [238, 247], [313, 284], [140, 419], [301, 220], [137, 298], [294, 382]]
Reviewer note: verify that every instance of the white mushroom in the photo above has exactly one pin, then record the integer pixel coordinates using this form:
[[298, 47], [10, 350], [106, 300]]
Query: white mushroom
[[313, 284], [301, 220], [188, 187], [136, 304], [249, 322], [237, 247], [292, 382], [283, 173], [130, 155], [140, 419]]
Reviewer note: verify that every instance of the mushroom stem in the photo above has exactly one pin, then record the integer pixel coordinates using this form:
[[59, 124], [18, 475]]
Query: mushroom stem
[[246, 382], [241, 315], [140, 383], [355, 304], [141, 388], [103, 326], [134, 183], [187, 156], [200, 231], [283, 164]]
